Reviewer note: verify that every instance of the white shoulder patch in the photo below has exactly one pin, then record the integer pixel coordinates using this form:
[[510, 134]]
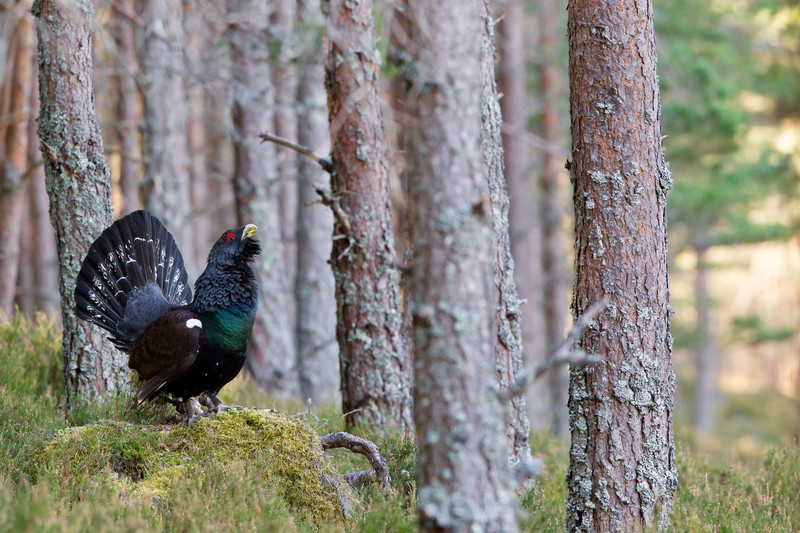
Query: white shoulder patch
[[193, 323]]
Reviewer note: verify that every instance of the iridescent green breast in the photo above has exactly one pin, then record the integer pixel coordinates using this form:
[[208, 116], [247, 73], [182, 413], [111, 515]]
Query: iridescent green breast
[[230, 328]]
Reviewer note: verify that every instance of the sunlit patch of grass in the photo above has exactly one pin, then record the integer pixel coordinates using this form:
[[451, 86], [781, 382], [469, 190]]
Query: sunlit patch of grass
[[545, 506]]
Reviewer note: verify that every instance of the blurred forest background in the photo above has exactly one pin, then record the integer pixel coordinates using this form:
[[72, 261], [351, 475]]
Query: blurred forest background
[[730, 81]]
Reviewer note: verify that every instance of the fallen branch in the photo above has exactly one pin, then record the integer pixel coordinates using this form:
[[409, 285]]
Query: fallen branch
[[564, 354], [323, 162], [368, 449]]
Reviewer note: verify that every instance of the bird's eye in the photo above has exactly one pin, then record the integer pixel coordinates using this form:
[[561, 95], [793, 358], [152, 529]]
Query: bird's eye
[[229, 236]]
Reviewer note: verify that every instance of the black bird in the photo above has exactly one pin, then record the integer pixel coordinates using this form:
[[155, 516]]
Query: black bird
[[133, 284]]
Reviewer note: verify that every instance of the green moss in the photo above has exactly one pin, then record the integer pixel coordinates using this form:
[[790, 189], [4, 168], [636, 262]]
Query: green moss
[[289, 450], [278, 454]]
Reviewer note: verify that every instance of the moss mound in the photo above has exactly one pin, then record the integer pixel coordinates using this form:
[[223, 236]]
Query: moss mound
[[279, 454]]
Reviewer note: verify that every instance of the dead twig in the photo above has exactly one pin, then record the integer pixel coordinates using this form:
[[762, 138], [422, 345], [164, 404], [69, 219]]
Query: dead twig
[[322, 422], [368, 449], [323, 162], [336, 207], [564, 354]]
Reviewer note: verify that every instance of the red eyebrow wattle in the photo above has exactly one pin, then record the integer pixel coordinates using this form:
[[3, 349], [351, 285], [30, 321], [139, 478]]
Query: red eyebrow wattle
[[229, 236]]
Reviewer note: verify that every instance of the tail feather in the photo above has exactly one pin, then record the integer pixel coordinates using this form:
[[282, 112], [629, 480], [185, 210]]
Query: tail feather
[[135, 251]]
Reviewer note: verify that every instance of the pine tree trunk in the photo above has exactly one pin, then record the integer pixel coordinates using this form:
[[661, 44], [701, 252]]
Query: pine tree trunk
[[524, 217], [78, 185], [44, 260], [15, 111], [127, 119], [281, 29], [622, 474], [272, 358], [552, 212], [167, 192], [396, 131], [317, 351], [705, 401], [375, 353], [206, 225], [463, 479], [508, 346]]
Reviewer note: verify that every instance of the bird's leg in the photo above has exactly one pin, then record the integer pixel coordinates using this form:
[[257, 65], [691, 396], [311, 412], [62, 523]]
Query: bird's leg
[[193, 410]]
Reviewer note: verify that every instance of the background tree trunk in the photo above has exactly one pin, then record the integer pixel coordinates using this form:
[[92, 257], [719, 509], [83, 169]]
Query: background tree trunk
[[375, 353], [127, 116], [44, 259], [552, 212], [524, 216], [463, 479], [206, 225], [317, 351], [508, 346], [622, 474], [283, 49], [15, 88], [167, 191], [705, 400], [78, 185], [272, 358]]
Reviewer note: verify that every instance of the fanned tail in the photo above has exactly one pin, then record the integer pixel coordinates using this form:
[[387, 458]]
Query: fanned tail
[[132, 274]]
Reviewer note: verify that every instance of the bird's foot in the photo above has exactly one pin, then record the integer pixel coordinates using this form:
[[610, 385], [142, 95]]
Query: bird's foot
[[215, 405]]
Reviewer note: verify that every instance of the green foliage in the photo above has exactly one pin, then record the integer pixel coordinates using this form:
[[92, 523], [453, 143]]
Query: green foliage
[[778, 40], [753, 330], [709, 68]]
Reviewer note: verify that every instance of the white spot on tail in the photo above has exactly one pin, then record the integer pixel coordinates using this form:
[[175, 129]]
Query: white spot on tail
[[193, 323]]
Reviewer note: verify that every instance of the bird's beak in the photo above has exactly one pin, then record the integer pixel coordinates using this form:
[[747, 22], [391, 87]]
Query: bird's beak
[[250, 231]]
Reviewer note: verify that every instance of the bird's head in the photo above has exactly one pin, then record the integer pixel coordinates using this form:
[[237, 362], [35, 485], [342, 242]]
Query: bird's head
[[235, 246]]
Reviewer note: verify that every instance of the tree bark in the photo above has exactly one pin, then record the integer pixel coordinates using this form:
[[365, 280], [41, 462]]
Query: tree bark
[[508, 346], [317, 351], [463, 479], [44, 259], [396, 130], [622, 474], [206, 224], [272, 358], [167, 192], [14, 115], [78, 185], [282, 46], [552, 212], [127, 119], [524, 216], [705, 400], [375, 353]]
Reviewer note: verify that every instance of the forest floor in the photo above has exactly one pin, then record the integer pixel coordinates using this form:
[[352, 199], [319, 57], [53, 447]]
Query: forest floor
[[743, 477]]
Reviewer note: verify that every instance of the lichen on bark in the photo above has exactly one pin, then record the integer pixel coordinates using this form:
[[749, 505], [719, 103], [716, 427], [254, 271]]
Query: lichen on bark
[[622, 473]]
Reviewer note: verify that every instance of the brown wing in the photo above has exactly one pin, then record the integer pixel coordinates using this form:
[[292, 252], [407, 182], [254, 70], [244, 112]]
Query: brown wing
[[166, 349]]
